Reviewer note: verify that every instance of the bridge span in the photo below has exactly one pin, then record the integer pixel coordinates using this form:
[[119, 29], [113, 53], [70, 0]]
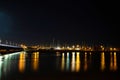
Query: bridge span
[[4, 48]]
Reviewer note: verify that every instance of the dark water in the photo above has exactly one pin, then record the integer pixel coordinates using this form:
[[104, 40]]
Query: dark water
[[60, 66]]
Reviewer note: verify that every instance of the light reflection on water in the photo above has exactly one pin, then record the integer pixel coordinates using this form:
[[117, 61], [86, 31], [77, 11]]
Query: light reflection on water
[[73, 62], [78, 61], [102, 61], [113, 61], [8, 65], [66, 62], [22, 62], [35, 61], [85, 62], [63, 62], [0, 67]]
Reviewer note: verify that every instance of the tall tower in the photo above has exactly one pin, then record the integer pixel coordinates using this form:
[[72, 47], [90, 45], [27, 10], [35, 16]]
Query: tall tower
[[0, 41], [53, 43]]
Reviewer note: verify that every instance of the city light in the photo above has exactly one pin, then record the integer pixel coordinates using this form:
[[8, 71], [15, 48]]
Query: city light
[[58, 48]]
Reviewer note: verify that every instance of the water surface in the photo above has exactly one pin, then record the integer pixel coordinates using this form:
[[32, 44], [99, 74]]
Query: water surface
[[60, 66]]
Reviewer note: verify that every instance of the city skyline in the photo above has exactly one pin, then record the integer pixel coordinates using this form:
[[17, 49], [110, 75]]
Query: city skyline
[[67, 22]]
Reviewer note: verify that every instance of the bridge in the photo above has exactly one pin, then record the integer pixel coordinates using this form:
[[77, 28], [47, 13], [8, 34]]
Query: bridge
[[12, 46], [6, 48]]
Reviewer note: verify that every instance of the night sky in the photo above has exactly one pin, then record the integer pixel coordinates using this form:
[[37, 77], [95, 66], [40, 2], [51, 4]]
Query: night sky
[[33, 22]]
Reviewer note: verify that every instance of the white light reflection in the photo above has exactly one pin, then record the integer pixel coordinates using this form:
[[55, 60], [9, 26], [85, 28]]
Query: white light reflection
[[0, 67], [7, 64], [6, 56], [63, 62], [67, 62], [73, 62], [1, 58]]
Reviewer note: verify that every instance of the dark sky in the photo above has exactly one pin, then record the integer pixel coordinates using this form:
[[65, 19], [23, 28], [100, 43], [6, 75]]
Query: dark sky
[[69, 21]]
